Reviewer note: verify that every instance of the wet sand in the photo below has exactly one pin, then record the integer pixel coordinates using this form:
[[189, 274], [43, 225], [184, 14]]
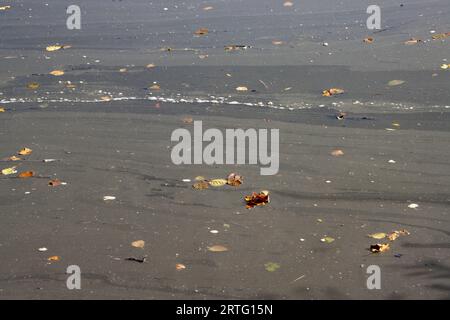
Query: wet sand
[[122, 148]]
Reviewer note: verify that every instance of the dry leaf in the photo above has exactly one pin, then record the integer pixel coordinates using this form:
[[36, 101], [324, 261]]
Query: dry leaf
[[4, 8], [54, 183], [277, 42], [8, 171], [33, 85], [288, 4], [217, 248], [337, 153], [150, 65], [242, 88], [25, 152], [180, 266], [26, 174], [397, 233], [53, 258], [234, 179], [57, 73], [201, 32], [440, 36], [2, 109], [412, 41], [188, 120], [445, 66], [376, 248], [257, 199], [122, 70], [13, 158], [199, 178], [393, 83], [332, 92], [368, 40], [379, 235], [155, 87], [201, 185], [138, 244], [106, 98], [217, 182], [208, 8]]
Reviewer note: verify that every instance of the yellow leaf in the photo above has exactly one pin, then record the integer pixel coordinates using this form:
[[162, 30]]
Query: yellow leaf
[[53, 48], [242, 88], [218, 182], [393, 83], [4, 8], [217, 248], [327, 239], [25, 152], [33, 85], [379, 235], [14, 158], [57, 73], [2, 110], [138, 244], [9, 171]]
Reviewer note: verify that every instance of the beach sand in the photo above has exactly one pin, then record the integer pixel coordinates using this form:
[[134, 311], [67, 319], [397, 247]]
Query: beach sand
[[395, 141]]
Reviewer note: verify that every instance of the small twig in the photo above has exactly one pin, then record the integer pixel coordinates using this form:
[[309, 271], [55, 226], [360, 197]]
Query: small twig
[[264, 84], [299, 278]]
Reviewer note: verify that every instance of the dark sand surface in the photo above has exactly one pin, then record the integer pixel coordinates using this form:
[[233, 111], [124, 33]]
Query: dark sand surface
[[122, 148]]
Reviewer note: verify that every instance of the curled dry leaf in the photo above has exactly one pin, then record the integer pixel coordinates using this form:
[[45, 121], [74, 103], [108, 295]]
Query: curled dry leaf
[[397, 233], [54, 258], [217, 248], [376, 248], [337, 153], [155, 87], [201, 185], [25, 151], [54, 183], [445, 66], [332, 92], [368, 40], [217, 182], [57, 47], [9, 171], [201, 32], [138, 244], [2, 110], [234, 179], [257, 199], [106, 98], [412, 41], [199, 178], [180, 266], [26, 174], [57, 73], [13, 158]]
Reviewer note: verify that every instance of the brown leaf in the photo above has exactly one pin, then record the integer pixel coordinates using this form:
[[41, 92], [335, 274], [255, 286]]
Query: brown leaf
[[54, 183], [33, 85], [26, 174], [368, 40], [234, 179], [201, 32], [54, 258], [180, 266], [332, 92], [376, 248], [412, 41], [201, 185], [257, 199], [25, 151]]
